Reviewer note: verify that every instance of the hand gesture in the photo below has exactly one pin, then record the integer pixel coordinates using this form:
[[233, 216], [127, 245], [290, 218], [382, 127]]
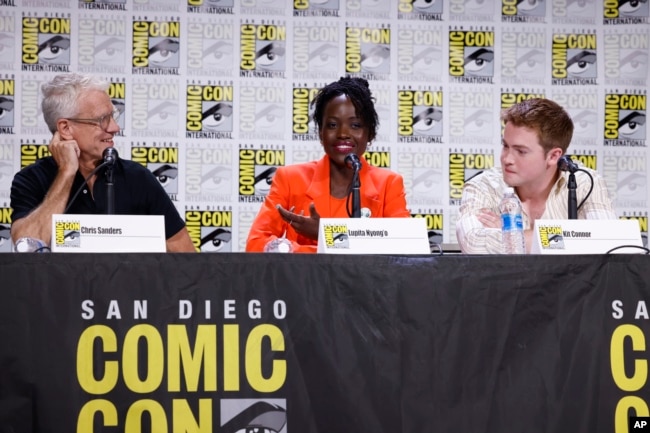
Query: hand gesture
[[306, 226]]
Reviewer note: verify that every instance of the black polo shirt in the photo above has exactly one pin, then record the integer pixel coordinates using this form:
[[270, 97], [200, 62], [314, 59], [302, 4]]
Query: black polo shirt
[[135, 189]]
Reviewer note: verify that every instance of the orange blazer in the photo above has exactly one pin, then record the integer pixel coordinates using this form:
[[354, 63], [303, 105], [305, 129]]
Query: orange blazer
[[382, 191]]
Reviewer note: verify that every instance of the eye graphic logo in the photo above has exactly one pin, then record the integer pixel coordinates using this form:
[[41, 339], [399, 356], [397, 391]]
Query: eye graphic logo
[[210, 231], [419, 115], [6, 106], [156, 46], [471, 56], [551, 237], [263, 50], [574, 59], [209, 111], [67, 234], [256, 170], [46, 41], [462, 168], [367, 52], [336, 236], [625, 119], [5, 228], [162, 162]]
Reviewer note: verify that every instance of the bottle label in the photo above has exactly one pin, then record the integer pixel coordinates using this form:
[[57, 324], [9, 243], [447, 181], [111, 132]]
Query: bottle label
[[512, 222]]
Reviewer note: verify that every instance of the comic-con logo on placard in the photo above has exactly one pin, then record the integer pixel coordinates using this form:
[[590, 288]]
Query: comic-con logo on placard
[[336, 236], [318, 8], [101, 44], [523, 11], [419, 10], [471, 115], [210, 230], [419, 116], [257, 166], [625, 12], [304, 127], [209, 111], [46, 43], [434, 223], [315, 50], [551, 237], [367, 51], [67, 234], [30, 152], [210, 47], [419, 53], [208, 172], [154, 108], [625, 119], [155, 47], [523, 56], [7, 94], [626, 56], [5, 227], [574, 59], [463, 167], [104, 5], [217, 7], [263, 50], [471, 55], [162, 161]]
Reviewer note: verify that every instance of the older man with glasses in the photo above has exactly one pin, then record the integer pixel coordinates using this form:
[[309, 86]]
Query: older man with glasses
[[83, 122]]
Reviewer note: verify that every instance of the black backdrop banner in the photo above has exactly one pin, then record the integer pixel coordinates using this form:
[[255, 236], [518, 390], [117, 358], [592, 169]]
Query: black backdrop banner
[[304, 343]]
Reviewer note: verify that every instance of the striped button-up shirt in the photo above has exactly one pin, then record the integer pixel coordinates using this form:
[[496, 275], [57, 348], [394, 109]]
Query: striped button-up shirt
[[486, 190]]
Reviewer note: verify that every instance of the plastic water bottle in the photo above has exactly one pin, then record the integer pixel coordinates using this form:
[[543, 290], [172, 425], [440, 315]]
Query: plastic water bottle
[[512, 223]]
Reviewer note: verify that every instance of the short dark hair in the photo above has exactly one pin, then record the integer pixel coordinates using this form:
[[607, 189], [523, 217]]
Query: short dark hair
[[553, 125], [358, 90]]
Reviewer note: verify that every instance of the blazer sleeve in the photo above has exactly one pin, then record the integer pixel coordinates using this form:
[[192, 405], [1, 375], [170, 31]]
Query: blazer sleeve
[[268, 223], [395, 199]]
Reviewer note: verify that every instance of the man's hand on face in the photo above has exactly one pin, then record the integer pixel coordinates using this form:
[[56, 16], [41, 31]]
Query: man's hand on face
[[66, 153]]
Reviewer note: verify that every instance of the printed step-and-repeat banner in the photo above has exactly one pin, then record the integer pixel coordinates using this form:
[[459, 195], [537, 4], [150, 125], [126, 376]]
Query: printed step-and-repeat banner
[[215, 95]]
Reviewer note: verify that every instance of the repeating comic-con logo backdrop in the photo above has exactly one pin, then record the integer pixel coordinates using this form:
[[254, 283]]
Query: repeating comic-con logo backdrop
[[215, 96]]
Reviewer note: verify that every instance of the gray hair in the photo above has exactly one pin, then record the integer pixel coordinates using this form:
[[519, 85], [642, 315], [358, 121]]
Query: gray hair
[[61, 95]]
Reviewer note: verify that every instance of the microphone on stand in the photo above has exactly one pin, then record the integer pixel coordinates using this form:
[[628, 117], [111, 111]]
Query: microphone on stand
[[110, 156], [565, 163], [352, 160]]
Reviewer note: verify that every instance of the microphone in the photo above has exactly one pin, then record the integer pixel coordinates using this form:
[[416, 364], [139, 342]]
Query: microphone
[[565, 163], [110, 156], [352, 160]]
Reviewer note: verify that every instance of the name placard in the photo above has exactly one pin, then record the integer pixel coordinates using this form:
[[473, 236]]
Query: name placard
[[373, 236], [586, 236], [82, 233]]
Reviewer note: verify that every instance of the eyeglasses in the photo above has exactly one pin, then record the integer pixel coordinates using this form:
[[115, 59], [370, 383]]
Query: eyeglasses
[[103, 122]]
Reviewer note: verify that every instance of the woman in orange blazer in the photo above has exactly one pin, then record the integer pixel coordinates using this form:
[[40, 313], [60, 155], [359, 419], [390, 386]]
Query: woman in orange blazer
[[300, 194]]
